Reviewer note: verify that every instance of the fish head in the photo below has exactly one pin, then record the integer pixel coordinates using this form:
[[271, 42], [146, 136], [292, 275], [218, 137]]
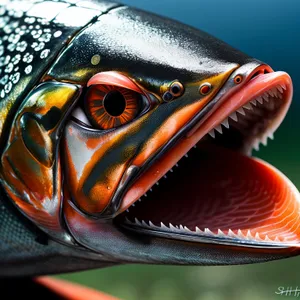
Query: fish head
[[155, 154]]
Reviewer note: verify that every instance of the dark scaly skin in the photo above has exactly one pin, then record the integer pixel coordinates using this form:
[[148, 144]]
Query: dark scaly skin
[[20, 241], [69, 246]]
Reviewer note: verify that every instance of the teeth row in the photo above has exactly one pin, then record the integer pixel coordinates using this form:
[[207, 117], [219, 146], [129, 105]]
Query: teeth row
[[274, 92], [157, 183], [204, 233]]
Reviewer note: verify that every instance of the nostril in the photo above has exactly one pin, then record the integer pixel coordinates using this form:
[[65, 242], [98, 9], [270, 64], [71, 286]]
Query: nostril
[[259, 72]]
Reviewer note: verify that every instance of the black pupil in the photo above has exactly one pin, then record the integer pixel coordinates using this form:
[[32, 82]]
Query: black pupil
[[175, 89], [114, 103]]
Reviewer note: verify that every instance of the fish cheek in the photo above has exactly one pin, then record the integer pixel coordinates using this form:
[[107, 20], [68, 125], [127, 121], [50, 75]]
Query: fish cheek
[[31, 170]]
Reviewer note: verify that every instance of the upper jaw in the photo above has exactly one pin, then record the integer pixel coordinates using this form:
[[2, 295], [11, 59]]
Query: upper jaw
[[232, 97]]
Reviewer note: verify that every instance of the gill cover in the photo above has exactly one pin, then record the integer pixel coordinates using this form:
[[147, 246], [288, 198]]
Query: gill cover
[[165, 76]]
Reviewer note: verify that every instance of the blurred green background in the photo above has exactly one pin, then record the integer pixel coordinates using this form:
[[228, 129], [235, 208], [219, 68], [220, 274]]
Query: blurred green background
[[269, 31]]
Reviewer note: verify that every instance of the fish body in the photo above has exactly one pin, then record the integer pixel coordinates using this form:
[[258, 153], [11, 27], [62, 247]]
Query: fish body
[[99, 102]]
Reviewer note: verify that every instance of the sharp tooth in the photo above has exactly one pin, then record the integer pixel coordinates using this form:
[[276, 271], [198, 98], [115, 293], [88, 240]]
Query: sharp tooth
[[283, 86], [177, 165], [172, 227], [277, 239], [140, 200], [249, 236], [212, 133], [165, 176], [187, 229], [219, 129], [145, 194], [271, 136], [145, 224], [265, 140], [181, 227], [207, 231], [240, 234], [199, 230], [271, 93], [231, 233], [137, 222], [260, 99], [157, 183], [266, 97], [268, 239], [253, 102], [171, 170], [225, 123], [127, 210], [275, 91], [241, 111], [234, 117], [163, 226], [133, 205], [151, 190], [127, 220], [151, 224], [248, 106], [280, 89], [221, 233], [195, 146], [280, 96], [186, 155], [257, 237], [256, 145]]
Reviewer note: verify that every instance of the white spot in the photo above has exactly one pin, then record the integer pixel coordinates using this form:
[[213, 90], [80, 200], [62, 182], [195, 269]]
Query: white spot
[[21, 46], [28, 58], [15, 78], [39, 46], [9, 68], [8, 87], [46, 37], [4, 80], [44, 53], [15, 60], [28, 69], [30, 20], [57, 34]]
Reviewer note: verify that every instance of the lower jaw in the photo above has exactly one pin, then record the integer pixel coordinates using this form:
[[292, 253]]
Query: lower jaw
[[218, 195]]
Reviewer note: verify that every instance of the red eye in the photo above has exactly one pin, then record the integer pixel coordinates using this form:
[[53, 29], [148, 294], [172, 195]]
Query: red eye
[[109, 106]]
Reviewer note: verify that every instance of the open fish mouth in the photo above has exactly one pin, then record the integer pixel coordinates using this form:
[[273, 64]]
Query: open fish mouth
[[218, 193]]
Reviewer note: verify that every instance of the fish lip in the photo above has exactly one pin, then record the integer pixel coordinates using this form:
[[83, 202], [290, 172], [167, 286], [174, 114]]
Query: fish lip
[[261, 84]]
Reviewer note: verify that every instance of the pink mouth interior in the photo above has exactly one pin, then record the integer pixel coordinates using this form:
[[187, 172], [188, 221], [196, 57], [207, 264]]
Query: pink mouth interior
[[218, 189]]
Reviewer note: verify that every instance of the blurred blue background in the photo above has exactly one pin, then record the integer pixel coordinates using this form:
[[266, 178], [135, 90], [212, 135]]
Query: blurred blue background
[[269, 31]]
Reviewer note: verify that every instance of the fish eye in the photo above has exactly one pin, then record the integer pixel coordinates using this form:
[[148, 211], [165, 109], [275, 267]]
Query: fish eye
[[108, 106], [205, 88], [238, 79]]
